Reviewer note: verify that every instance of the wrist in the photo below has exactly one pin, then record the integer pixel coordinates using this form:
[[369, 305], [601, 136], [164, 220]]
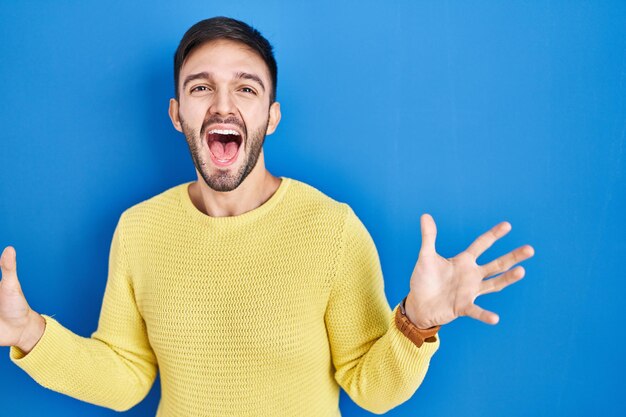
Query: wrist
[[416, 316], [416, 335], [32, 333]]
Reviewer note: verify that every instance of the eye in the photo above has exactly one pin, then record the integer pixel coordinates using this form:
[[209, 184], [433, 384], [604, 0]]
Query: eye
[[199, 89], [248, 90]]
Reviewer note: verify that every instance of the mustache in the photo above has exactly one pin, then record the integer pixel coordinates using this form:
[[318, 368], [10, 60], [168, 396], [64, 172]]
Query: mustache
[[218, 120]]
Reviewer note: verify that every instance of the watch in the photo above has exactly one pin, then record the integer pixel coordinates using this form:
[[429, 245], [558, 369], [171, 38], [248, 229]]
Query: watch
[[416, 335]]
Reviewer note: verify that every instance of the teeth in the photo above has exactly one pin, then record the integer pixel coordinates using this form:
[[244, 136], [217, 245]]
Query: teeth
[[224, 132]]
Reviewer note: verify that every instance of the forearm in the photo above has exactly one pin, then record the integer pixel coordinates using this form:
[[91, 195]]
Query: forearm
[[87, 368], [386, 374]]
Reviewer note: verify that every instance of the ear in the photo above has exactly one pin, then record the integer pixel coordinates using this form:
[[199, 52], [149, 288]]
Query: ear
[[173, 111], [274, 118]]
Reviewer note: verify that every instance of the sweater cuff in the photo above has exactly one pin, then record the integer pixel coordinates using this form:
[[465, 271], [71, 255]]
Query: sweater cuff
[[44, 351], [412, 359]]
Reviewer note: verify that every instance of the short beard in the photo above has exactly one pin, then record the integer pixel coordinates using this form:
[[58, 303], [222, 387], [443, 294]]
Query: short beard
[[222, 180]]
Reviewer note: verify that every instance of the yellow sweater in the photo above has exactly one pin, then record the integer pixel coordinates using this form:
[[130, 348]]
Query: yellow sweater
[[262, 314]]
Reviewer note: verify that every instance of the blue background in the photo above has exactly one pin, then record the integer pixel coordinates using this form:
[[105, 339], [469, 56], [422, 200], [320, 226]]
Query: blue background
[[475, 112]]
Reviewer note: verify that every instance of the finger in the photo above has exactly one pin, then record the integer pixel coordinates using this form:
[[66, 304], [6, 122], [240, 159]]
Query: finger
[[484, 241], [429, 233], [9, 267], [505, 262], [503, 281], [483, 315]]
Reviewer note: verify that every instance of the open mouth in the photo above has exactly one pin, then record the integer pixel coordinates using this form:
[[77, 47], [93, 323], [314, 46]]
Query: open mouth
[[224, 145]]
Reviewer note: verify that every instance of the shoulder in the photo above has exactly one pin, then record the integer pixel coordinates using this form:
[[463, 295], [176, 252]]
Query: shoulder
[[316, 210], [158, 207], [313, 202]]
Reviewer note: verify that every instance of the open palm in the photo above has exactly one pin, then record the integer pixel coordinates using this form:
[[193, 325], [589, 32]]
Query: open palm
[[444, 289]]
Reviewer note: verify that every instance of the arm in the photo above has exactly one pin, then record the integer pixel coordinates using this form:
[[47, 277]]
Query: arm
[[115, 367], [377, 365]]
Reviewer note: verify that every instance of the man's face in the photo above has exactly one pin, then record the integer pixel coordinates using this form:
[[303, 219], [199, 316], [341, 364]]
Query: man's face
[[224, 111]]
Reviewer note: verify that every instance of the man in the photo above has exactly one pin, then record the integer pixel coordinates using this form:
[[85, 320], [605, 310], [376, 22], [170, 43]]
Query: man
[[251, 294]]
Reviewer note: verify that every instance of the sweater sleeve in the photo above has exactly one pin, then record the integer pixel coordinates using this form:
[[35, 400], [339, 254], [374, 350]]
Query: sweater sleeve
[[116, 366], [377, 365]]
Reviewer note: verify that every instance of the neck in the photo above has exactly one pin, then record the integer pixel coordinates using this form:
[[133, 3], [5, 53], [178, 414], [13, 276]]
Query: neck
[[255, 190]]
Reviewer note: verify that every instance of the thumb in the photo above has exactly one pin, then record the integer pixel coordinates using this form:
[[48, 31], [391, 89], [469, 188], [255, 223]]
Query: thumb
[[429, 233], [9, 268]]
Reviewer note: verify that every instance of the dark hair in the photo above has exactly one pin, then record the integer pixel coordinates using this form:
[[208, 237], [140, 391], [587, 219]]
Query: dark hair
[[221, 27]]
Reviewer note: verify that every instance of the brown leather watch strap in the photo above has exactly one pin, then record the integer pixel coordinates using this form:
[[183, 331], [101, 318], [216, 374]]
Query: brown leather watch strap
[[416, 335]]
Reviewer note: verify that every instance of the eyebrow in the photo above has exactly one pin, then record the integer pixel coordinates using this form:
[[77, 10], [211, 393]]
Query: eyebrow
[[237, 76], [248, 76]]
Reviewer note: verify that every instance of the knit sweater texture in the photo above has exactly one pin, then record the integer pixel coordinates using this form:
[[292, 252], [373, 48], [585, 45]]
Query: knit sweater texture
[[267, 313]]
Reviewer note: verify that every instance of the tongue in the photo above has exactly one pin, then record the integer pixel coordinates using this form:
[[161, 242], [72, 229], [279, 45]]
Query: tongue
[[223, 151]]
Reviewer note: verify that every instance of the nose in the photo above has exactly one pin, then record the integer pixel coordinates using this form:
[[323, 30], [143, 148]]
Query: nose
[[222, 103]]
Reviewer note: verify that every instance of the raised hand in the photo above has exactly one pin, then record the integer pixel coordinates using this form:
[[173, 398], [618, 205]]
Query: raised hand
[[443, 289], [19, 325]]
